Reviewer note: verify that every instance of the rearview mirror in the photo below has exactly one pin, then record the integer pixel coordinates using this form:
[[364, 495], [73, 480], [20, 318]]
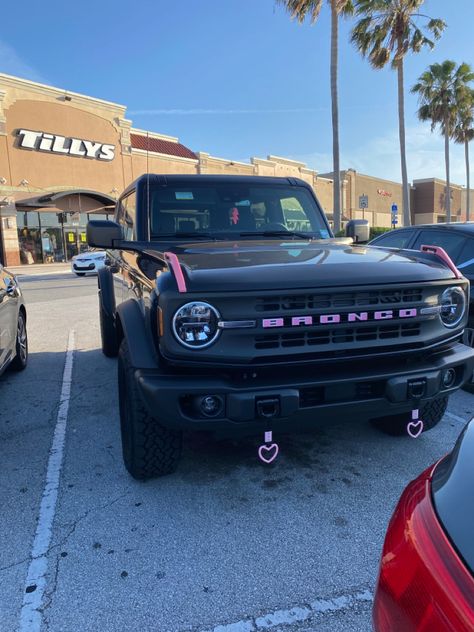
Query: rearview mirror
[[103, 233]]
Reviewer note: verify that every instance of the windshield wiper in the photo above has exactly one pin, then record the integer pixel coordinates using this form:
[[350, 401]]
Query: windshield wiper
[[276, 233], [187, 235]]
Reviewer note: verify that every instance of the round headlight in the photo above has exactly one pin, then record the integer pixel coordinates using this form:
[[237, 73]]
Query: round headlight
[[195, 325], [453, 306]]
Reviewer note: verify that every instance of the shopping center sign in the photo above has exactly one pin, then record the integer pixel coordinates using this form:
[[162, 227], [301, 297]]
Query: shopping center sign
[[53, 143]]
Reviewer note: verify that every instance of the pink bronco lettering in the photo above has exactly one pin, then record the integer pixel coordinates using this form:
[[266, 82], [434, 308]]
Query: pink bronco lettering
[[333, 319]]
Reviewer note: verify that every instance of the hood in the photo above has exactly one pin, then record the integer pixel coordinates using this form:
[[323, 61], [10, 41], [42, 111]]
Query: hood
[[90, 255], [257, 265]]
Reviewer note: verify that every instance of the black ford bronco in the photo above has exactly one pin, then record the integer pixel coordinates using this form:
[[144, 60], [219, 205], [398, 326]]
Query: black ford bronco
[[233, 310]]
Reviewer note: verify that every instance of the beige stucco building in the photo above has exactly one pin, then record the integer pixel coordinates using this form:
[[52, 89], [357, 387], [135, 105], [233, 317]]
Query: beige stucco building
[[429, 201], [366, 197], [64, 156]]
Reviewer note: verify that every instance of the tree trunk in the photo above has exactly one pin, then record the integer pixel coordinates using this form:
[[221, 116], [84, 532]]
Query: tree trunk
[[448, 182], [335, 121], [468, 182], [403, 155]]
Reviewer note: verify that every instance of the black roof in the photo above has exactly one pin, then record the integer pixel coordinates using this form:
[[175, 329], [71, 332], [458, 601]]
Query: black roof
[[462, 227], [190, 178]]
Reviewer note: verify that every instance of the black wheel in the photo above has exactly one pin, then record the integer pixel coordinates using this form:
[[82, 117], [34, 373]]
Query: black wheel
[[20, 360], [468, 339], [149, 449], [431, 413], [80, 273], [108, 333]]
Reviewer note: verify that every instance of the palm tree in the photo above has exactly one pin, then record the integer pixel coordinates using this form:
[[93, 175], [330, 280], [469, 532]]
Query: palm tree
[[440, 90], [463, 133], [387, 31], [301, 10]]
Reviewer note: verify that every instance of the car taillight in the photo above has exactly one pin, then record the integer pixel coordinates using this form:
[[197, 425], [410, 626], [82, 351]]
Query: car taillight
[[423, 585]]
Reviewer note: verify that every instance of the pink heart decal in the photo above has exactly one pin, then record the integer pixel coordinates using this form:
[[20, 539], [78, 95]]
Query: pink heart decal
[[415, 428], [271, 452]]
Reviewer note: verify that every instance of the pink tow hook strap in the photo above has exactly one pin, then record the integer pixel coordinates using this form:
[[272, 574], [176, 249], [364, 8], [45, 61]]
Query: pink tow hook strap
[[415, 426], [268, 453]]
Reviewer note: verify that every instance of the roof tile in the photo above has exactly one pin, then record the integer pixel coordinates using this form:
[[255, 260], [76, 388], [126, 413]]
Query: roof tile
[[161, 146]]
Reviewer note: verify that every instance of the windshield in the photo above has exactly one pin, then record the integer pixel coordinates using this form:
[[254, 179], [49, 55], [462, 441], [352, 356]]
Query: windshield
[[224, 211]]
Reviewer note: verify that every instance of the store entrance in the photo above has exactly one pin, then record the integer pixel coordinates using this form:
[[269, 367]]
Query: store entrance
[[52, 237], [76, 241]]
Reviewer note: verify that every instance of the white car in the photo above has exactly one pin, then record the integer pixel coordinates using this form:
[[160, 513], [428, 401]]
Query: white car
[[90, 261]]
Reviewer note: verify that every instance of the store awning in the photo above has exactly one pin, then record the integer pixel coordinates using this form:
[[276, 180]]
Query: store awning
[[50, 199]]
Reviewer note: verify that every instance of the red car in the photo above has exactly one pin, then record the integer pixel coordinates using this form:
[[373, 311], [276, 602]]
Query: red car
[[426, 578]]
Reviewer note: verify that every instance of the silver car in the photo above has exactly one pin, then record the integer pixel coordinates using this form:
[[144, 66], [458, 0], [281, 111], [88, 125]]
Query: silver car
[[88, 261], [13, 335]]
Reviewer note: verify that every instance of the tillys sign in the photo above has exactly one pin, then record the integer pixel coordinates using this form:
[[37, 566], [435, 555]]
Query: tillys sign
[[53, 143]]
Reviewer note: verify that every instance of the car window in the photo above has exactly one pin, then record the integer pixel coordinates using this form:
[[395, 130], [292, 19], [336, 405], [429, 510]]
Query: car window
[[225, 209], [395, 239], [450, 241], [127, 216], [465, 261]]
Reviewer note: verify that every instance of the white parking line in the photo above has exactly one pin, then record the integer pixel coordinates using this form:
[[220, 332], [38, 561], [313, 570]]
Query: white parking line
[[454, 417], [298, 614], [36, 579]]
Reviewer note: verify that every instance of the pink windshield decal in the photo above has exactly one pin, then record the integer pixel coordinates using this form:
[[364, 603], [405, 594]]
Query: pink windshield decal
[[443, 255], [175, 266]]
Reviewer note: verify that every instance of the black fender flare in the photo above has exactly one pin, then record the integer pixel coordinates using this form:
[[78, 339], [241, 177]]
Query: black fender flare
[[105, 282], [132, 326]]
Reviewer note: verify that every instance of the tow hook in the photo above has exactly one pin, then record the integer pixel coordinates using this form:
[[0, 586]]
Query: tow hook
[[268, 408], [416, 388]]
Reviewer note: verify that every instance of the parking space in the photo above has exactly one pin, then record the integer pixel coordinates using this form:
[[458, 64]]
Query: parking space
[[227, 543]]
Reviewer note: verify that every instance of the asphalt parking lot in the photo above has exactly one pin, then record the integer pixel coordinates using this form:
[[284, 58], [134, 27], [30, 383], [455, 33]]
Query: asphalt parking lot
[[226, 544]]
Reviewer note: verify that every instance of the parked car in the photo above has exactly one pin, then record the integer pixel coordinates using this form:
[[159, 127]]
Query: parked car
[[229, 317], [90, 261], [457, 239], [13, 335], [426, 578]]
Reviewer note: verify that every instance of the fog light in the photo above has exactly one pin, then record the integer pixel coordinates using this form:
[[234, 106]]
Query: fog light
[[210, 405], [449, 378]]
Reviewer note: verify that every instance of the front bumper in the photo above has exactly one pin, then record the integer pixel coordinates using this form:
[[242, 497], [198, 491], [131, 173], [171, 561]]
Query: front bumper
[[91, 266], [331, 393]]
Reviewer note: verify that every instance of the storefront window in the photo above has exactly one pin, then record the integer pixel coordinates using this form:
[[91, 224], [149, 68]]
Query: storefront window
[[49, 237], [29, 237], [52, 239]]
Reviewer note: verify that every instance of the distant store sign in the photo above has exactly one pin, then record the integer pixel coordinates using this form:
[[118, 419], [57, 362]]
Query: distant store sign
[[53, 143], [384, 193]]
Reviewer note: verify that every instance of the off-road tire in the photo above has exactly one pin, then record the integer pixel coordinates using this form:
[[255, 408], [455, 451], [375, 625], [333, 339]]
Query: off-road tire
[[108, 333], [149, 449], [20, 360], [431, 413], [468, 339]]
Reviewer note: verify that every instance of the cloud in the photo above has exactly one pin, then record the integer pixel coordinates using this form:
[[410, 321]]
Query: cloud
[[12, 64], [380, 157], [192, 111]]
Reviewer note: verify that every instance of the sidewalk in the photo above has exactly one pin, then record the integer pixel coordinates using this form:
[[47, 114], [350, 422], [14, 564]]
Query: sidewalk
[[40, 269]]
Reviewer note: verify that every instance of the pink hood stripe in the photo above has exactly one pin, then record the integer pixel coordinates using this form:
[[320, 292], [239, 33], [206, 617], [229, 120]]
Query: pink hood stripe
[[174, 265], [443, 255]]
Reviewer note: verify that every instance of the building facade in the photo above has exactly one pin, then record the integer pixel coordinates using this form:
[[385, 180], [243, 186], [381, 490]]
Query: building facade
[[65, 157], [429, 201]]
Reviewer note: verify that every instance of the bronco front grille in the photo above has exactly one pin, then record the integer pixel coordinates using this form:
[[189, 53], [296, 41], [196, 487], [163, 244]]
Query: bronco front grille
[[331, 300], [337, 335]]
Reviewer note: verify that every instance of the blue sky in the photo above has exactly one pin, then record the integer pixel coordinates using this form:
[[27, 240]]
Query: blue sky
[[235, 78]]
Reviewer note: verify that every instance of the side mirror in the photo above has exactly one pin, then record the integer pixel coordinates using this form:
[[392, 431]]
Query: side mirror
[[103, 233], [359, 230]]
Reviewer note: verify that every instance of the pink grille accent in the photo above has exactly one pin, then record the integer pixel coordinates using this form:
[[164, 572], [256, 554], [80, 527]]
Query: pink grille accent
[[443, 255], [173, 262]]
